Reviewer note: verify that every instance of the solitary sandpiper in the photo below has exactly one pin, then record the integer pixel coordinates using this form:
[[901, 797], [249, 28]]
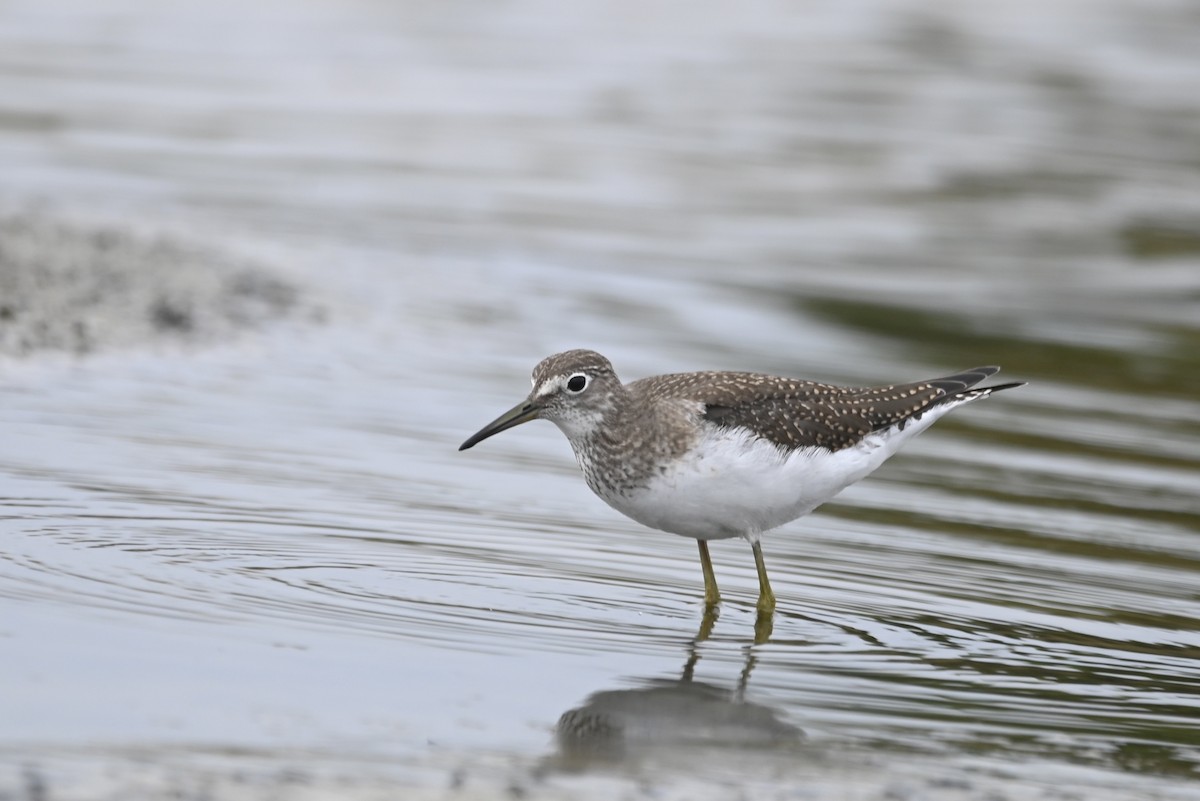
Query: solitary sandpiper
[[715, 455]]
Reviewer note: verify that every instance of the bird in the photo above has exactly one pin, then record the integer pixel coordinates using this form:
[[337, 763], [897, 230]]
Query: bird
[[717, 454]]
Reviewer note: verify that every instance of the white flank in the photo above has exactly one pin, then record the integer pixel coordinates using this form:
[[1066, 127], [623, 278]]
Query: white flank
[[734, 484]]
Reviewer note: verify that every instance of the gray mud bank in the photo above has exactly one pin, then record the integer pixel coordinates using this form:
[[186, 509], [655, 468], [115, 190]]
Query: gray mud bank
[[80, 288]]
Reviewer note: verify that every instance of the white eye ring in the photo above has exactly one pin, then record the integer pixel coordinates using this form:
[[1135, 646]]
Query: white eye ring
[[578, 383]]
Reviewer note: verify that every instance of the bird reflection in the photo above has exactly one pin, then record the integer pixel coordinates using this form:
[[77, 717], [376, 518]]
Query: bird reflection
[[764, 624], [664, 713]]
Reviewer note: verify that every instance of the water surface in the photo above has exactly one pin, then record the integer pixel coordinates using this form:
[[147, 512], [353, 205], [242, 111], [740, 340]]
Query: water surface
[[263, 565]]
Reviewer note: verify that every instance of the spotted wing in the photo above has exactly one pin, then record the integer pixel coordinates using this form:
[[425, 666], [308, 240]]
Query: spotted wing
[[797, 414]]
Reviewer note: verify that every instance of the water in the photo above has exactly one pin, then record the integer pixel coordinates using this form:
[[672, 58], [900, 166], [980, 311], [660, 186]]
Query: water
[[262, 566]]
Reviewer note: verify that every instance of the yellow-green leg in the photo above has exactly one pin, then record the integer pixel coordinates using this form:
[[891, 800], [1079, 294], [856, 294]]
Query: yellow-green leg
[[712, 596], [766, 598], [707, 622]]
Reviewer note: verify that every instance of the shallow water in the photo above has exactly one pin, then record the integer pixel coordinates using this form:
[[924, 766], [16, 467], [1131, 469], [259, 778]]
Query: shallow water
[[264, 565]]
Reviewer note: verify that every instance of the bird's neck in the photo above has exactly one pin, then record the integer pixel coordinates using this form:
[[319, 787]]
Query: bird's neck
[[628, 443]]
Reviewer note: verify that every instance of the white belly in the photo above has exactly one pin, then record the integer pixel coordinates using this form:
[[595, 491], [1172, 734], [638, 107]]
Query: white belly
[[733, 484]]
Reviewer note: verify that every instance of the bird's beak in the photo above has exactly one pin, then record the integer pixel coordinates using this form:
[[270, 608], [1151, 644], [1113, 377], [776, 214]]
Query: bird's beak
[[523, 412]]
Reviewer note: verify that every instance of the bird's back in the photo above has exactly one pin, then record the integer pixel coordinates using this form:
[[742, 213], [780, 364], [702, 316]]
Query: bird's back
[[798, 414]]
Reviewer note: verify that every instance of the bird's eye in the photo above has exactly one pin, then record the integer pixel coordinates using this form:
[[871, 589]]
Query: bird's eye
[[577, 382]]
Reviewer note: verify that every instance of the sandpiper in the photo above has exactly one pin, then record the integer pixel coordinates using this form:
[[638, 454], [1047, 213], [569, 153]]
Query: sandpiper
[[714, 455]]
